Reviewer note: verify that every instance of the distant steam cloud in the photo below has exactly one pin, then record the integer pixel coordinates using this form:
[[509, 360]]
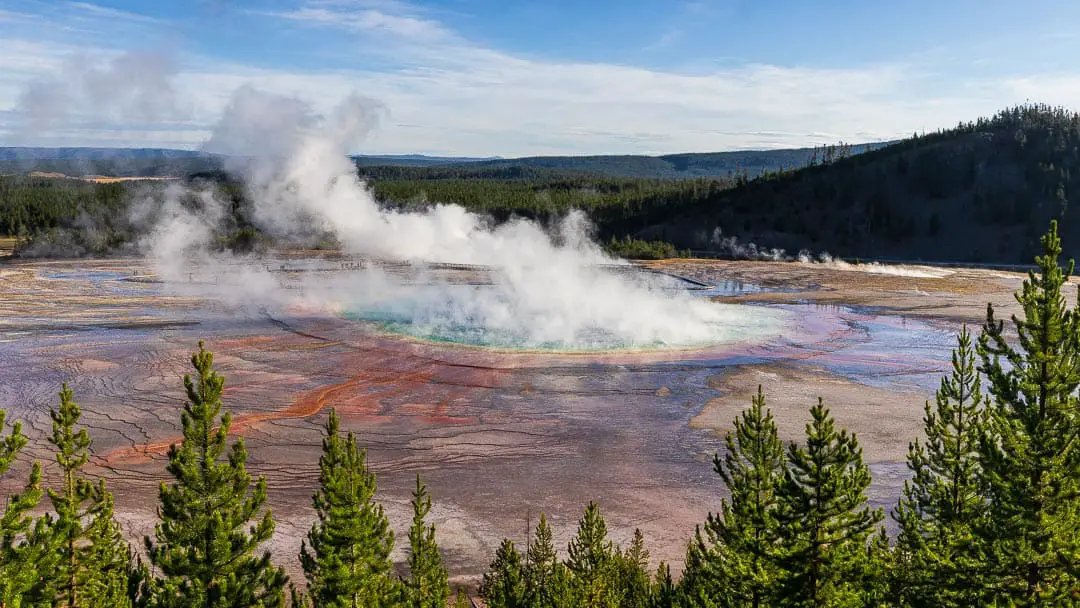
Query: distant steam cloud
[[896, 270], [730, 245]]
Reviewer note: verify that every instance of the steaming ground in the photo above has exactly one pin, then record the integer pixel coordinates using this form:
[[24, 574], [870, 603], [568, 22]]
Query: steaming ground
[[603, 308], [896, 270], [548, 289], [481, 316]]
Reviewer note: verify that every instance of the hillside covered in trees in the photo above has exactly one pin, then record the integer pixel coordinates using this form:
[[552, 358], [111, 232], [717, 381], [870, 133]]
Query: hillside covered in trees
[[979, 192]]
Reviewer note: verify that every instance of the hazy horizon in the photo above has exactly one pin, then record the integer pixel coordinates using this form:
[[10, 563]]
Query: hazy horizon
[[451, 155]]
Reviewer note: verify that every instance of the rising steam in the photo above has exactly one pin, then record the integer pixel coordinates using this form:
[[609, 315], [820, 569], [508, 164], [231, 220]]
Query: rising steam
[[548, 289]]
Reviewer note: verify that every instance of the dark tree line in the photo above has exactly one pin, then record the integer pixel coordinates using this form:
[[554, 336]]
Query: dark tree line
[[989, 517], [76, 217]]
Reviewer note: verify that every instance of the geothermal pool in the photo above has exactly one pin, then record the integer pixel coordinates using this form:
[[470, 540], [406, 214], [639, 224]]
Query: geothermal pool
[[424, 316], [503, 421]]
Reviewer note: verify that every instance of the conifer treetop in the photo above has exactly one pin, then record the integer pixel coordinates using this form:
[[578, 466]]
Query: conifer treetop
[[427, 585], [346, 557], [11, 443], [1030, 455], [210, 526]]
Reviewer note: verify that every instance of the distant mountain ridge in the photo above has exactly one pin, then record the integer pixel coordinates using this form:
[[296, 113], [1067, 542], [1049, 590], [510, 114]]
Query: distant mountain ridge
[[684, 165], [148, 162], [415, 160], [32, 153]]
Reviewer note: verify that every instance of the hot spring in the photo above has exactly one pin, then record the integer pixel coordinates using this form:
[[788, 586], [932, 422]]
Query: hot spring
[[630, 313], [586, 308]]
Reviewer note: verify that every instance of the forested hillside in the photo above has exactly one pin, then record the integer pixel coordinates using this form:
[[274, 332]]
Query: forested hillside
[[979, 192]]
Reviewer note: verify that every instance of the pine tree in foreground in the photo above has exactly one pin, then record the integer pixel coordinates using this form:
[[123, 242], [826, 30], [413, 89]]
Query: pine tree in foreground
[[825, 520], [503, 585], [876, 572], [1031, 456], [203, 546], [347, 555], [591, 563], [942, 500], [427, 585], [542, 571], [22, 550], [633, 569], [737, 558], [665, 593], [93, 561]]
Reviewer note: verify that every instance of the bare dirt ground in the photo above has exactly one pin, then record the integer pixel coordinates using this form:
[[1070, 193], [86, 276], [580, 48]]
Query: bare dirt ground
[[498, 436]]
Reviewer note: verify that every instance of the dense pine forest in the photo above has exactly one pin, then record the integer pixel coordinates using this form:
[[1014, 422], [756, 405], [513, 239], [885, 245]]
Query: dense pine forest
[[979, 192], [989, 517]]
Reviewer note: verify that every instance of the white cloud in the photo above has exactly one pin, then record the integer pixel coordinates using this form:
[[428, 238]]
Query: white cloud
[[369, 20], [446, 95], [110, 13], [1054, 89]]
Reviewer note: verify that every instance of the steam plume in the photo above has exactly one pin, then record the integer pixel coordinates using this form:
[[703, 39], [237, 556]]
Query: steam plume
[[548, 290]]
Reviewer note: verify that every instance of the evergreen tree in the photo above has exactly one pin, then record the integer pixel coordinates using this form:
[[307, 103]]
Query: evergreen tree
[[634, 581], [202, 548], [701, 575], [560, 589], [23, 552], [591, 562], [427, 585], [942, 500], [93, 561], [737, 558], [541, 564], [11, 444], [825, 518], [503, 586], [347, 556], [877, 572], [664, 593], [1030, 457]]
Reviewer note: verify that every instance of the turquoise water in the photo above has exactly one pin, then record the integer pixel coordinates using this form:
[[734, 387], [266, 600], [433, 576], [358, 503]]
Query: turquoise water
[[489, 317], [477, 334]]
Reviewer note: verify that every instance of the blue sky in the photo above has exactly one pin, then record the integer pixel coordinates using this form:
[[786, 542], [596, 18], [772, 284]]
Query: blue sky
[[489, 77]]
